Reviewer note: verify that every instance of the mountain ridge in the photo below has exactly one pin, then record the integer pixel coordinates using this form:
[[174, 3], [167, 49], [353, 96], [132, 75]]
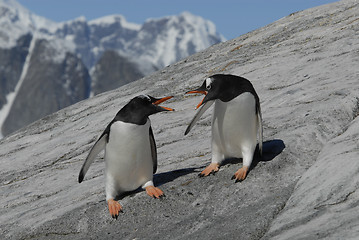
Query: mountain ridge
[[139, 51]]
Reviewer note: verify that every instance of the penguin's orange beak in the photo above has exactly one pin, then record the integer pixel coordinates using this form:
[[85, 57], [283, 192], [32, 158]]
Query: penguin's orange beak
[[198, 91], [161, 100]]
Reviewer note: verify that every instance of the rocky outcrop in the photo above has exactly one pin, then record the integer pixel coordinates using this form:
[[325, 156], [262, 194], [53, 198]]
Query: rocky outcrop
[[53, 80], [113, 71], [12, 62]]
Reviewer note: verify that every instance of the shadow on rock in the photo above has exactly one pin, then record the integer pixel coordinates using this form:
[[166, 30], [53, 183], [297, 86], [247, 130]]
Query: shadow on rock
[[163, 178], [160, 179], [270, 150]]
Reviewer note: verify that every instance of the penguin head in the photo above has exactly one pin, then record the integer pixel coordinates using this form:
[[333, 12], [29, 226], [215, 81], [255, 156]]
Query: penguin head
[[140, 107], [211, 88], [148, 105], [224, 87]]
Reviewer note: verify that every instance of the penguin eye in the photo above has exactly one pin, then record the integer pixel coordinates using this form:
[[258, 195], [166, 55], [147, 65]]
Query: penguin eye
[[208, 87]]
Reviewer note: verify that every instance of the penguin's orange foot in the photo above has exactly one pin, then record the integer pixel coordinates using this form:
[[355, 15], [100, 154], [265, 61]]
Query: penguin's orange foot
[[114, 207], [211, 168], [154, 192], [241, 174]]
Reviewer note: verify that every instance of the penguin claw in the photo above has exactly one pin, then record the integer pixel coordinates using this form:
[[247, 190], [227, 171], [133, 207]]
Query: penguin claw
[[241, 174], [114, 208], [118, 214], [238, 180]]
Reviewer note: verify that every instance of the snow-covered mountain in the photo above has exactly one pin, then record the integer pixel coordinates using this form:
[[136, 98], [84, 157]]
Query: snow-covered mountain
[[76, 49], [39, 73], [153, 45], [166, 40], [16, 21]]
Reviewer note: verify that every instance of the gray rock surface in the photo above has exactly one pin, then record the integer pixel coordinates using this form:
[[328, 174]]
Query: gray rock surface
[[305, 70]]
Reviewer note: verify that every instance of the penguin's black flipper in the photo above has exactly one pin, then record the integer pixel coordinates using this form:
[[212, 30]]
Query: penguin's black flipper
[[153, 150], [198, 115], [96, 149]]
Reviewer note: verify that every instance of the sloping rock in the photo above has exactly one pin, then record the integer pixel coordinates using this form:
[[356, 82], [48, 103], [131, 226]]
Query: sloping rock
[[304, 68], [325, 202]]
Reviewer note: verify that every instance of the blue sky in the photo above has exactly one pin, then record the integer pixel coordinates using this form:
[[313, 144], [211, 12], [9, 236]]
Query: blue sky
[[232, 18]]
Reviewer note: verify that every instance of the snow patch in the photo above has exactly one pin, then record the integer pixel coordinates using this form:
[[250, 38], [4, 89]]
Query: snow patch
[[59, 48], [111, 19], [10, 98]]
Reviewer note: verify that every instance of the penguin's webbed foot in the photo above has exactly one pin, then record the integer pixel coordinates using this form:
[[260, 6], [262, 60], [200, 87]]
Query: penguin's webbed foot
[[154, 192], [114, 207], [241, 174], [211, 168]]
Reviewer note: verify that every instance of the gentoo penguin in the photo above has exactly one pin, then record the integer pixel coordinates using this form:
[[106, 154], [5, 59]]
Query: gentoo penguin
[[236, 120], [130, 151]]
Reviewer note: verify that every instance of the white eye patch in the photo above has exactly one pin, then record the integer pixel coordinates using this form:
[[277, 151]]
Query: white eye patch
[[208, 83], [145, 97]]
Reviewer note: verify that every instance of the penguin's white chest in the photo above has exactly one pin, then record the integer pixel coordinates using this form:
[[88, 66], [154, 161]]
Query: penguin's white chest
[[234, 126], [128, 155]]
